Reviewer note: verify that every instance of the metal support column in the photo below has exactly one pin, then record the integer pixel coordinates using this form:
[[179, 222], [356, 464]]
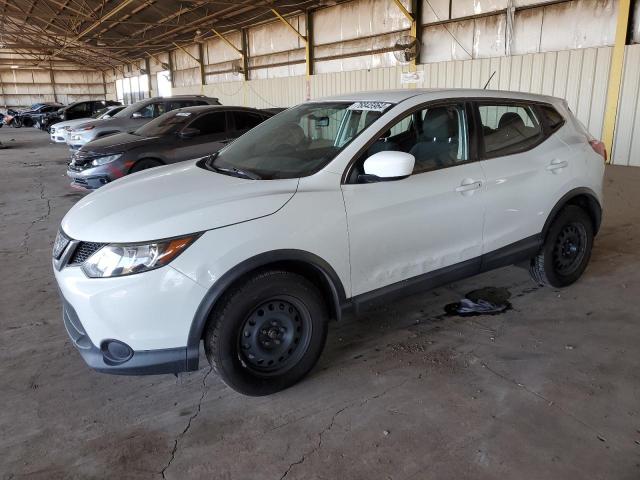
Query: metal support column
[[615, 75], [53, 82]]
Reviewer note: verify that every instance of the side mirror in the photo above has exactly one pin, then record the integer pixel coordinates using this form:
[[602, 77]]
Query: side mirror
[[136, 115], [388, 165], [189, 133]]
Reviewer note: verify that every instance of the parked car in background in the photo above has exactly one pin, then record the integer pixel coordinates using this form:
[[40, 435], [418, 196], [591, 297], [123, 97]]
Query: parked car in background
[[33, 115], [84, 109], [178, 135], [133, 117], [333, 205], [60, 131]]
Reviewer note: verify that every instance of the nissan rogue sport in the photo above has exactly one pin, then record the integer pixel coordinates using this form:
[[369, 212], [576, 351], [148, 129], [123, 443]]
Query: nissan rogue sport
[[332, 205]]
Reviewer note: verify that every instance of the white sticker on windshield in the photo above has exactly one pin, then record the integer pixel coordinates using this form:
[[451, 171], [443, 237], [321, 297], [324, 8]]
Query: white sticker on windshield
[[183, 114], [371, 106]]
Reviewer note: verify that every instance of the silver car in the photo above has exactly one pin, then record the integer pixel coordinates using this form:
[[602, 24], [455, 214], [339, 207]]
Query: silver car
[[59, 132], [133, 117]]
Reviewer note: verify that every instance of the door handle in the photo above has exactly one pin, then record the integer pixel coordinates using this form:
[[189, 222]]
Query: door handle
[[467, 187], [557, 165]]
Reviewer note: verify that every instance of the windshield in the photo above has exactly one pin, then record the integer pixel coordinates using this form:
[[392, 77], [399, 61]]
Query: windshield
[[130, 109], [100, 112], [165, 124], [297, 142]]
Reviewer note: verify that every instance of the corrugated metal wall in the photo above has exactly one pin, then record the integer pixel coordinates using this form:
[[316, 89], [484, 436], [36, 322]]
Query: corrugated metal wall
[[23, 87], [579, 76], [626, 147]]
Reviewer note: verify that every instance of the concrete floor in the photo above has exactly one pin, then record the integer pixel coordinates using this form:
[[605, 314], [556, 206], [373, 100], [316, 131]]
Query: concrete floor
[[548, 390]]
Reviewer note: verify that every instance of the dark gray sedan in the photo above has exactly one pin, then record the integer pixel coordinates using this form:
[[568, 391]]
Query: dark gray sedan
[[178, 135]]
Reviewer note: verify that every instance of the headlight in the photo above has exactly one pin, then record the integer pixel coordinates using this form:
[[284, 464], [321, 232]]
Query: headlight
[[106, 159], [115, 260]]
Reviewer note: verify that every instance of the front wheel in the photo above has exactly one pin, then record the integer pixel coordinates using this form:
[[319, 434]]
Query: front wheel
[[267, 334], [566, 250]]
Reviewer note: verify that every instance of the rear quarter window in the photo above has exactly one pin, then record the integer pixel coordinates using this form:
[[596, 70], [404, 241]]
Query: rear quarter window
[[552, 117], [509, 128]]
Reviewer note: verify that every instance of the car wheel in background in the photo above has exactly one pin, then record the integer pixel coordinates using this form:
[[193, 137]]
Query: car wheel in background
[[145, 164], [266, 334], [566, 250]]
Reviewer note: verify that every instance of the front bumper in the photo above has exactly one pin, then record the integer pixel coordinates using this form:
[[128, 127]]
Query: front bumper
[[89, 181], [145, 362], [149, 313]]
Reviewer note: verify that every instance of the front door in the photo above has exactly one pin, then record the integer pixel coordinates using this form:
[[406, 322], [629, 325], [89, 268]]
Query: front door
[[431, 220]]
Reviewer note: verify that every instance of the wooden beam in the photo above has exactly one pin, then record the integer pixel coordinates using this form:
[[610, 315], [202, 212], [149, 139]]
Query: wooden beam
[[308, 51], [291, 27], [615, 76], [404, 10], [181, 48], [227, 41]]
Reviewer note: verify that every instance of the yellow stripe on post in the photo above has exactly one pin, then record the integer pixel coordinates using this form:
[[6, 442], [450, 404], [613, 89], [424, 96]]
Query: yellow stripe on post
[[615, 75]]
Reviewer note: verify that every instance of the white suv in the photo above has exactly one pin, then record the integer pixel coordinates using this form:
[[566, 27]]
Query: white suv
[[332, 205]]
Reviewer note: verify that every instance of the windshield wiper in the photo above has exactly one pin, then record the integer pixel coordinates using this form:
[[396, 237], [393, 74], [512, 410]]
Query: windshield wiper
[[236, 172]]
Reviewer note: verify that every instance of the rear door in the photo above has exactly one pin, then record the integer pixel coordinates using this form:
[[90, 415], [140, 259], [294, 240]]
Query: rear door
[[526, 167]]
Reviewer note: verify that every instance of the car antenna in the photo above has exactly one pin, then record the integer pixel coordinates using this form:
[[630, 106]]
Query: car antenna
[[487, 84]]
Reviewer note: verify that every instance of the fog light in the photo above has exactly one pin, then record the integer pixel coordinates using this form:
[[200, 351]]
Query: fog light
[[115, 352]]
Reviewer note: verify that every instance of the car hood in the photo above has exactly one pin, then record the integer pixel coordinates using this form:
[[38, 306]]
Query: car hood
[[71, 123], [114, 122], [172, 200], [119, 142]]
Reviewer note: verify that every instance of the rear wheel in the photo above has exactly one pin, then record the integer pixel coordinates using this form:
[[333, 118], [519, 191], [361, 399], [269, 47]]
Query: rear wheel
[[268, 333], [145, 164], [566, 250]]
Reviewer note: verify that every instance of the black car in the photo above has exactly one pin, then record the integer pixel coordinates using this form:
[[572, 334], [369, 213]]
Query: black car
[[32, 115], [84, 109], [182, 134]]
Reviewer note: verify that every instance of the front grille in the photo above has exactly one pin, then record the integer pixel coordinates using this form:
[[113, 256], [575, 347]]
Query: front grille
[[83, 251]]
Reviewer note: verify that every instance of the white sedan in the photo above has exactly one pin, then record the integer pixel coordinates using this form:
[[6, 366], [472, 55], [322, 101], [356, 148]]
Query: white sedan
[[333, 205], [59, 132]]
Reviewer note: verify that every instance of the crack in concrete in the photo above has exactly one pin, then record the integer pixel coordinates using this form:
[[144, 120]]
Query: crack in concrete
[[186, 429], [542, 397], [318, 446], [24, 245]]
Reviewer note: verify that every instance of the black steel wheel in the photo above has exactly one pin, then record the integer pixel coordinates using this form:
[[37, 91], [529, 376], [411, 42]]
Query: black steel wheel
[[567, 249], [275, 335], [267, 333]]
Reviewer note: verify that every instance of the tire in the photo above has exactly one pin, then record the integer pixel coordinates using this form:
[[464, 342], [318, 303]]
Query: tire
[[17, 123], [566, 250], [267, 334], [145, 164]]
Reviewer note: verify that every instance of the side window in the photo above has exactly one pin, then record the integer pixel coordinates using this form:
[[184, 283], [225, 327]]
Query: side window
[[152, 110], [175, 104], [508, 128], [552, 117], [80, 108], [210, 123], [436, 136], [246, 120]]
